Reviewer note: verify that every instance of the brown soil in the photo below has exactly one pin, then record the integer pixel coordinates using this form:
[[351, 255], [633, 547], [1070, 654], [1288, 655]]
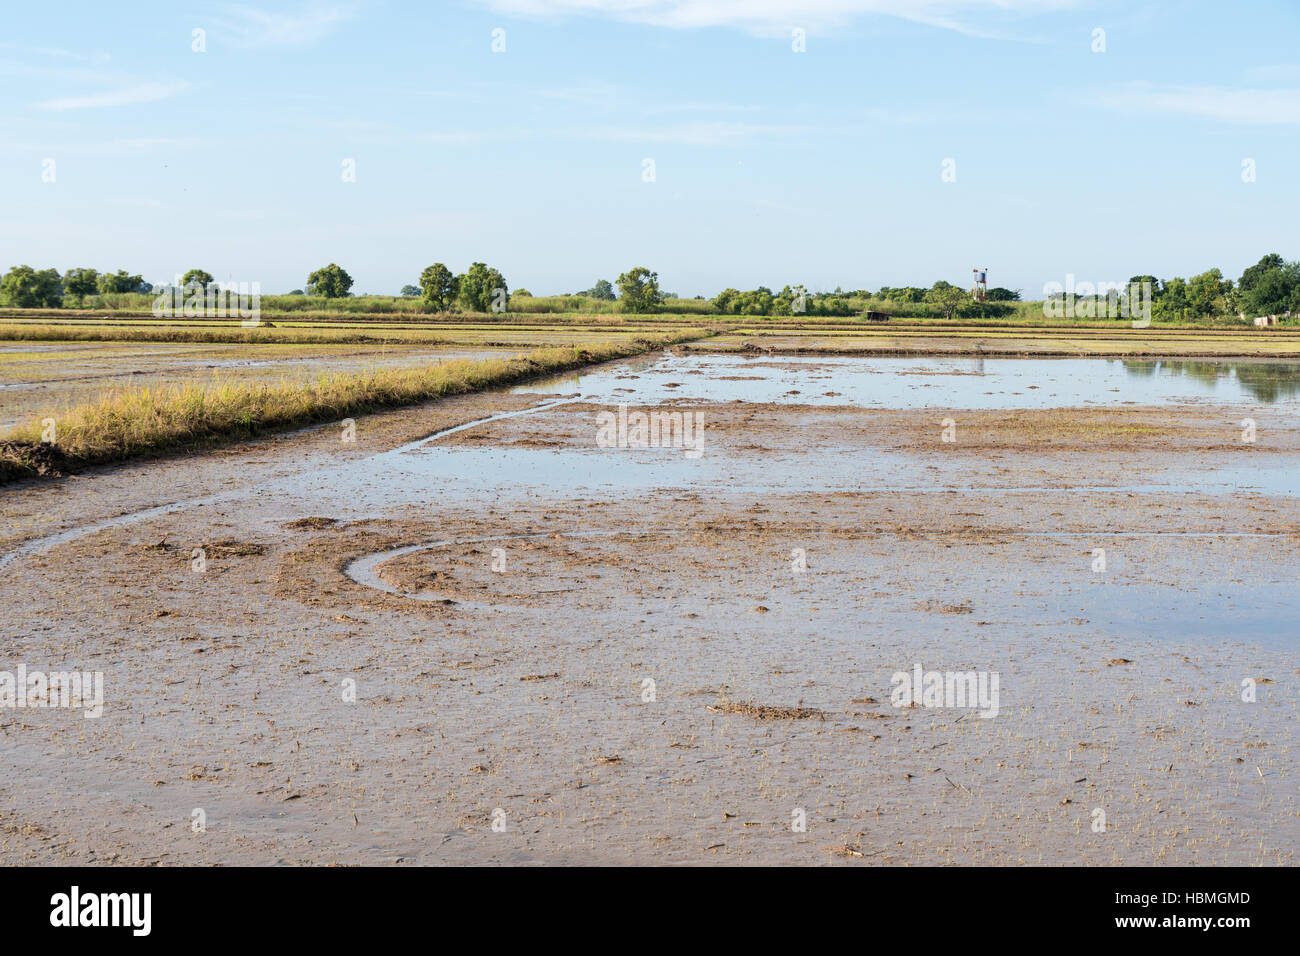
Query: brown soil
[[607, 692], [22, 458]]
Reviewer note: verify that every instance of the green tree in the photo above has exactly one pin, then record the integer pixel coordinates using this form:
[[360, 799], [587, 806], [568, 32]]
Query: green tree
[[1278, 290], [725, 301], [946, 297], [438, 287], [902, 294], [1270, 286], [603, 290], [1135, 283], [81, 283], [409, 291], [971, 309], [784, 302], [330, 281], [1172, 301], [755, 302], [198, 277], [483, 289], [1000, 294], [1253, 274], [121, 281], [833, 305], [25, 288], [499, 300], [1206, 293], [639, 288]]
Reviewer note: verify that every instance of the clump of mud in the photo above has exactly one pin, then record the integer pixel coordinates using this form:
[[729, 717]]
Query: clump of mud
[[233, 549], [939, 607], [311, 523], [766, 712], [23, 459], [228, 548]]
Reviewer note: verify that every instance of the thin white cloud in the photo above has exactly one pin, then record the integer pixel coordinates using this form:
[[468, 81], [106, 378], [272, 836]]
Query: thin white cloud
[[773, 17], [105, 146], [684, 134], [1279, 107], [253, 28], [702, 108], [60, 74], [57, 52], [600, 95], [469, 137], [692, 134], [123, 96]]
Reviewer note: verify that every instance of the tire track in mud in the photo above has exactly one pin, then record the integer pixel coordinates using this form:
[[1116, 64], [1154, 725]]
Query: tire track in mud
[[41, 545], [364, 570]]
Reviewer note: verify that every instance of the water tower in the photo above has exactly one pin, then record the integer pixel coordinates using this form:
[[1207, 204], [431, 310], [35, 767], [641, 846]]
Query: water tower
[[980, 291]]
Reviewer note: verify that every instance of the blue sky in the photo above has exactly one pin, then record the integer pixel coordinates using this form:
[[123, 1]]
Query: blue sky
[[770, 166]]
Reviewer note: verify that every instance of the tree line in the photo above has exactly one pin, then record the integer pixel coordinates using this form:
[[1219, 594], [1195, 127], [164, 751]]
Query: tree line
[[1271, 286], [26, 288]]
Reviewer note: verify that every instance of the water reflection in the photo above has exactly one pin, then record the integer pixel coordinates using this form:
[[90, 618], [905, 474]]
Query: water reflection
[[1267, 382]]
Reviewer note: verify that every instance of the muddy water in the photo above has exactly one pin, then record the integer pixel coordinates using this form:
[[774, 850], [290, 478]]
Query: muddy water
[[971, 383], [561, 457], [522, 689]]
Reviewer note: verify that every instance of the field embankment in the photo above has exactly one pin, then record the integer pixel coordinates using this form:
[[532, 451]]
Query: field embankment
[[145, 421], [236, 335]]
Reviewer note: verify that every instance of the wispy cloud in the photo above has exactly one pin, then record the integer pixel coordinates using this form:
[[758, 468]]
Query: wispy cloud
[[136, 144], [61, 69], [702, 108], [135, 202], [59, 74], [685, 134], [122, 96], [1280, 107], [692, 134], [598, 95], [772, 17], [384, 134], [472, 137], [252, 27], [56, 52]]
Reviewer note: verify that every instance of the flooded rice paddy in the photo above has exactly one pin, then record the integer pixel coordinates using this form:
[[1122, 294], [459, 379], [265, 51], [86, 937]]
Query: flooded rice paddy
[[641, 656], [936, 382]]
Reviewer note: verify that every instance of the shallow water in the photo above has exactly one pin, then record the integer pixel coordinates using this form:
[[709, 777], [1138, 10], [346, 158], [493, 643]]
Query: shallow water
[[1193, 774], [1122, 604], [972, 383], [609, 472], [427, 469]]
